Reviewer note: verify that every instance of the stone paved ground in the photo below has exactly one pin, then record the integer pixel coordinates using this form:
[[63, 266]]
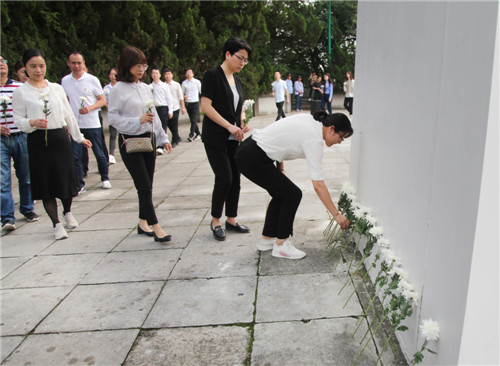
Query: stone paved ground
[[108, 296]]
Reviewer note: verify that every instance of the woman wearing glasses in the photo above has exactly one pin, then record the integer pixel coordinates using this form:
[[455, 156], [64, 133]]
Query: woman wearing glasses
[[223, 129], [299, 136], [132, 113]]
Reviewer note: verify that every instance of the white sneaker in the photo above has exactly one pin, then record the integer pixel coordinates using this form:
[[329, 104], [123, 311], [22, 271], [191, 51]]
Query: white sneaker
[[112, 159], [71, 222], [197, 137], [106, 184], [159, 151], [265, 244], [287, 250], [59, 232]]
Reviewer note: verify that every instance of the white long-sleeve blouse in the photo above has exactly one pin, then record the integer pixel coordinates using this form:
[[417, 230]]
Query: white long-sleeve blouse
[[127, 102], [28, 104]]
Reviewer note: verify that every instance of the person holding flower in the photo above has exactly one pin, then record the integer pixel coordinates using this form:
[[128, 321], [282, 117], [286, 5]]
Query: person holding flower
[[112, 131], [223, 130], [299, 136], [42, 110], [131, 111]]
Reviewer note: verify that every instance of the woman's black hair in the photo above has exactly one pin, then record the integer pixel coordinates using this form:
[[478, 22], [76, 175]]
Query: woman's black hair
[[32, 52], [129, 57], [18, 65], [338, 120], [111, 69], [233, 45]]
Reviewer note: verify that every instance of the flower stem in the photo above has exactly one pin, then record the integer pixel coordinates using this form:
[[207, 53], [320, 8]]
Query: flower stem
[[384, 348], [366, 274], [344, 243], [371, 338]]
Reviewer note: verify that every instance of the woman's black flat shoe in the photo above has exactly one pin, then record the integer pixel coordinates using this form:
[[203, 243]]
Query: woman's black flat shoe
[[164, 239], [238, 228], [219, 232], [148, 233]]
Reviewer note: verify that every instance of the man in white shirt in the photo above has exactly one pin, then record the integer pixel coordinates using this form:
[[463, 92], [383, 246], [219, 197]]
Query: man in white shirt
[[163, 101], [279, 92], [191, 88], [178, 102], [86, 97]]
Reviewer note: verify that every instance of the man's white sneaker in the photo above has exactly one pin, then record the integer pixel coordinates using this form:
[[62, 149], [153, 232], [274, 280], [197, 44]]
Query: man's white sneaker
[[265, 244], [106, 184], [112, 159], [287, 250], [71, 222], [59, 232]]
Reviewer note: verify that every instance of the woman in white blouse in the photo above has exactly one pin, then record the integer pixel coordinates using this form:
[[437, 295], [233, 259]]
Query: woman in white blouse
[[131, 111], [42, 110], [299, 136], [112, 131]]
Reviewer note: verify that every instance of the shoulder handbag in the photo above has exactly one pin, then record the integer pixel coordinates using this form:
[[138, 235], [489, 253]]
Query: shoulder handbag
[[140, 144]]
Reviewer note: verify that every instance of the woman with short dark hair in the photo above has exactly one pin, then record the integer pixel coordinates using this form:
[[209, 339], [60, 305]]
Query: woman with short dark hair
[[223, 129], [299, 136], [132, 113], [41, 109]]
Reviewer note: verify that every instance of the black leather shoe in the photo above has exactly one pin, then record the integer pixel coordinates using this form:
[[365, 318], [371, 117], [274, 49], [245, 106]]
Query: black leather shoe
[[163, 239], [238, 228], [219, 232], [148, 233]]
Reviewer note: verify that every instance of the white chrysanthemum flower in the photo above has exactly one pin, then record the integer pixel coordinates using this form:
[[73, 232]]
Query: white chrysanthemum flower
[[376, 231], [43, 95], [348, 188], [247, 104], [411, 296], [366, 210], [371, 220], [388, 255], [404, 285], [148, 104], [383, 242], [358, 213], [430, 329], [400, 272], [5, 99], [83, 99], [351, 196]]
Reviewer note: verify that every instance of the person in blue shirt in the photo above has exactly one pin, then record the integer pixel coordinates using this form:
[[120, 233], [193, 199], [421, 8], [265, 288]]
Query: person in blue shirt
[[327, 93]]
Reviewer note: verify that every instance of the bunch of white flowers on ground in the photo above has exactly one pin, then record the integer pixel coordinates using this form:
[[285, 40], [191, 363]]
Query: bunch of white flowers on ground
[[398, 295], [248, 108]]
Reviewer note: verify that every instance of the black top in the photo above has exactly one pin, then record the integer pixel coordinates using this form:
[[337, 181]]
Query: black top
[[215, 87]]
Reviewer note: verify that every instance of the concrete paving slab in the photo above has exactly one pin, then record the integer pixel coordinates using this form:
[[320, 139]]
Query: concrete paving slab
[[186, 217], [25, 245], [181, 235], [88, 348], [206, 258], [54, 270], [80, 242], [7, 345], [194, 190], [151, 265], [103, 307], [303, 296], [23, 309], [7, 265], [185, 202], [315, 261], [105, 221], [81, 206], [119, 206], [191, 346], [42, 226], [216, 301], [97, 194], [318, 342]]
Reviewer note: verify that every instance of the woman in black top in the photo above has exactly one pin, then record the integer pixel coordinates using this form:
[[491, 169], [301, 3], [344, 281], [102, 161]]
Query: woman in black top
[[222, 131]]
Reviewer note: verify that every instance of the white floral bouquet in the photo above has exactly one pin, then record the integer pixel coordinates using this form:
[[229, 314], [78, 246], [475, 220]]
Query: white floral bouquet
[[248, 108]]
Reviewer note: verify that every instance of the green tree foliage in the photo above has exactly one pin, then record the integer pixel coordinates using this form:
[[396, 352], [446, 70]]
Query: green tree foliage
[[290, 35]]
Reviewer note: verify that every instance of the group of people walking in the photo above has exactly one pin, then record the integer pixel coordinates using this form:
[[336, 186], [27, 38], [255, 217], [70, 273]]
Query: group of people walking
[[42, 110]]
